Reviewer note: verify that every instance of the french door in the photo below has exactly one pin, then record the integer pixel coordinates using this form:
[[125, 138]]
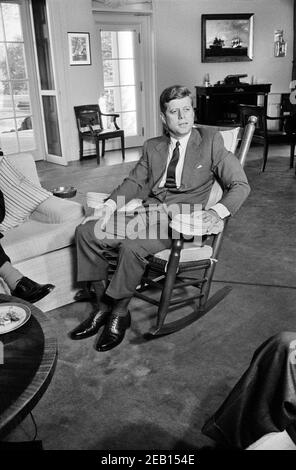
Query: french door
[[121, 49], [20, 128]]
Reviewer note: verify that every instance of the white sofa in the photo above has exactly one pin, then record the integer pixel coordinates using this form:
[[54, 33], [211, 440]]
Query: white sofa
[[42, 247]]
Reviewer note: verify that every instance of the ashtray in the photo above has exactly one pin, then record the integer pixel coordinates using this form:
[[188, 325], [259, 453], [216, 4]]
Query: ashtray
[[64, 191]]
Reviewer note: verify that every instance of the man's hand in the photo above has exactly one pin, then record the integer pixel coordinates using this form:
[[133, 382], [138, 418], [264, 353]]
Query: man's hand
[[103, 213], [210, 218]]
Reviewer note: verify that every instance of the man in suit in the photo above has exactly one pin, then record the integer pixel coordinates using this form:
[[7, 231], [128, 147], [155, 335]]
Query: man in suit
[[19, 285], [178, 168]]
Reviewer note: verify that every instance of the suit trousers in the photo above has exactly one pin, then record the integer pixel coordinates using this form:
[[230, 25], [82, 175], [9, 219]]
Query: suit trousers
[[263, 400], [128, 238]]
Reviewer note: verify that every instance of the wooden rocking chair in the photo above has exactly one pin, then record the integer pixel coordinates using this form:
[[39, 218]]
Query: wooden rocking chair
[[180, 269]]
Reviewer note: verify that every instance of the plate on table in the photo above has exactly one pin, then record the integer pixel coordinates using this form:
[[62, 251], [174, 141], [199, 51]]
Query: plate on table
[[13, 316]]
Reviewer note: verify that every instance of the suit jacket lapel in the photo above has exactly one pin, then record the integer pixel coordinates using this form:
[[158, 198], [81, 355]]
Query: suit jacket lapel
[[191, 156], [159, 159]]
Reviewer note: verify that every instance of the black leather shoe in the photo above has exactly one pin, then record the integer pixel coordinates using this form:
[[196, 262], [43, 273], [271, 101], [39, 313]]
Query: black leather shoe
[[113, 332], [85, 295], [91, 325], [31, 291]]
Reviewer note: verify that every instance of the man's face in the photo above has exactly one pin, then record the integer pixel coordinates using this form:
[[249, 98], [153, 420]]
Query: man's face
[[179, 117]]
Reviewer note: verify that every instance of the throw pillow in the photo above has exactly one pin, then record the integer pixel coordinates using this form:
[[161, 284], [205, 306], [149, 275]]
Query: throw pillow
[[21, 196]]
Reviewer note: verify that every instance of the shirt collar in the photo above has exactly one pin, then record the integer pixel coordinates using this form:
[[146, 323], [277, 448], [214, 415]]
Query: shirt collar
[[183, 140]]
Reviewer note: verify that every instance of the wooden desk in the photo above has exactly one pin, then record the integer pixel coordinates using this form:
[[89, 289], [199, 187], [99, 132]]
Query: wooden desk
[[218, 105], [30, 355]]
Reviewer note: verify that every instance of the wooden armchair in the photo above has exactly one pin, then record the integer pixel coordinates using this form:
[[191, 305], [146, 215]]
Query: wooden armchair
[[90, 126], [286, 133]]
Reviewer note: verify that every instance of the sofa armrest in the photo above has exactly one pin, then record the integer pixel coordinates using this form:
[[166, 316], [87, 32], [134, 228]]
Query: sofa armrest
[[55, 210]]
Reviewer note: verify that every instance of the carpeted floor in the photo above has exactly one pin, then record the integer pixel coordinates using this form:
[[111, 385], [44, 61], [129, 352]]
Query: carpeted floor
[[157, 395]]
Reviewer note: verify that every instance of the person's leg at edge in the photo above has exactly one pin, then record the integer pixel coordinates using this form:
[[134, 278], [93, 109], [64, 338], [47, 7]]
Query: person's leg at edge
[[262, 405]]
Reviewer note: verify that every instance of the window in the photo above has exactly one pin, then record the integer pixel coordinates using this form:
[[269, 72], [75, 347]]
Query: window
[[16, 126]]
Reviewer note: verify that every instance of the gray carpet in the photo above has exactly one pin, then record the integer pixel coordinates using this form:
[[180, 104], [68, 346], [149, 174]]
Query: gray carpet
[[157, 395]]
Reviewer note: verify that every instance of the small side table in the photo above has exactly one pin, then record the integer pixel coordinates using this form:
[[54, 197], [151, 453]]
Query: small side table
[[30, 356]]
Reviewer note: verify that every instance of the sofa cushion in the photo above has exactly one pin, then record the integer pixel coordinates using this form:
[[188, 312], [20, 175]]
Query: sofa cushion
[[55, 210], [21, 196], [25, 163], [34, 238]]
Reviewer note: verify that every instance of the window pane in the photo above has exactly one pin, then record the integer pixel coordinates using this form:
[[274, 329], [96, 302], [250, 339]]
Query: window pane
[[12, 22], [106, 44], [52, 125], [129, 123], [8, 136], [27, 140], [25, 134], [110, 72], [3, 65], [6, 104], [108, 100], [21, 97], [128, 98], [1, 26], [125, 44], [16, 60], [127, 72]]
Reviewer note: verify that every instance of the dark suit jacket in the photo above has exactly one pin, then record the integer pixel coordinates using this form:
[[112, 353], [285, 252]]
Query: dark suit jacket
[[206, 159]]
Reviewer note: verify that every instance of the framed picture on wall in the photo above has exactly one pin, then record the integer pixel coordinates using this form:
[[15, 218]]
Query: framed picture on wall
[[79, 48], [227, 37]]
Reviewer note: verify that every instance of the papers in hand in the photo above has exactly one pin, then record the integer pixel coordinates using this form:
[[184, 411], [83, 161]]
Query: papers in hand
[[192, 224]]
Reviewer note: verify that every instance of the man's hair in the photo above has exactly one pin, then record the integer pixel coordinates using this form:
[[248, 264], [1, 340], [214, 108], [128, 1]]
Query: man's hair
[[174, 92]]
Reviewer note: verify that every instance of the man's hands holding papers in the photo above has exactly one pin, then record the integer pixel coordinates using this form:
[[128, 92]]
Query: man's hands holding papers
[[197, 223]]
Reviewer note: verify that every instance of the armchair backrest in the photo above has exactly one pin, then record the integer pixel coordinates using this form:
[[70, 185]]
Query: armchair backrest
[[89, 114], [238, 135], [232, 138]]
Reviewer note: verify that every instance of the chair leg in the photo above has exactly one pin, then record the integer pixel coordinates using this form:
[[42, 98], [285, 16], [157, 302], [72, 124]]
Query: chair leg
[[80, 148], [168, 286], [292, 152], [103, 148], [98, 151], [122, 147], [265, 154]]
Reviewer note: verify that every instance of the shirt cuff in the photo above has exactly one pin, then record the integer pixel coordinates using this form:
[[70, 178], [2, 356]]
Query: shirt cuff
[[112, 204], [221, 210]]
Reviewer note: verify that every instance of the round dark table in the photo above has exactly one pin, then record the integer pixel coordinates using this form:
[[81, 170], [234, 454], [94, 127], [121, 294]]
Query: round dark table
[[29, 360]]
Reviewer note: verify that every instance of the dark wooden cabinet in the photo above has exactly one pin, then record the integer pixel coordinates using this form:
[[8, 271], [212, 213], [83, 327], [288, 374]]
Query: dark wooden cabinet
[[218, 104]]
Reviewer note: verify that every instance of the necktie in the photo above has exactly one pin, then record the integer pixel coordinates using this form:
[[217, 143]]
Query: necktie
[[171, 171]]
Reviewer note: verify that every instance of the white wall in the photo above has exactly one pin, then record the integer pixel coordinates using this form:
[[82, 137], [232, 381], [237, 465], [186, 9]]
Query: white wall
[[178, 40], [77, 84], [177, 35]]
